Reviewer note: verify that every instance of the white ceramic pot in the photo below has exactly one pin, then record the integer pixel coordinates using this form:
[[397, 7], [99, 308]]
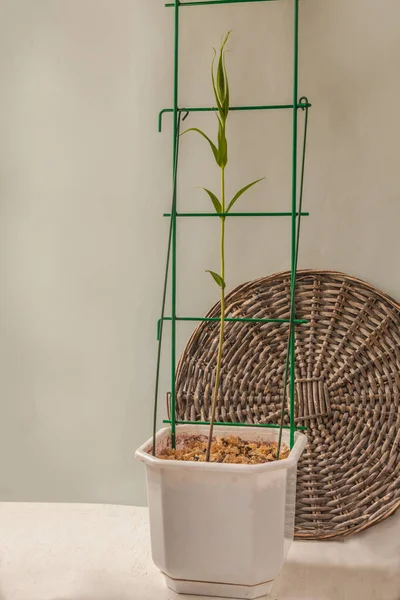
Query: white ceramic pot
[[221, 529]]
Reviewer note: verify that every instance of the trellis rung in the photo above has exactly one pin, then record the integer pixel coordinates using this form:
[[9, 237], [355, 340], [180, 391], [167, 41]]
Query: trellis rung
[[302, 104], [212, 2]]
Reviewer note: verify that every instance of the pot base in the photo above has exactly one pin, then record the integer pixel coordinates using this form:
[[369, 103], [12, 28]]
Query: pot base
[[219, 590]]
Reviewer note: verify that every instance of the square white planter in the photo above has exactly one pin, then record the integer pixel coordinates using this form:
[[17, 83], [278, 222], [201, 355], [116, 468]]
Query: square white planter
[[221, 529]]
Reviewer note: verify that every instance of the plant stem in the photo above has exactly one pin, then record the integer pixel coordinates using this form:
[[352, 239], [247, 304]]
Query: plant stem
[[222, 321]]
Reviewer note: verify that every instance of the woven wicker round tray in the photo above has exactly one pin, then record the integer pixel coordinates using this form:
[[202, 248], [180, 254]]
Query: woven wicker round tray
[[347, 390]]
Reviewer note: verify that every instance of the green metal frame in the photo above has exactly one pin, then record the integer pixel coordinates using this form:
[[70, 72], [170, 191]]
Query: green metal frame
[[249, 214], [302, 104], [265, 425], [209, 2], [295, 214]]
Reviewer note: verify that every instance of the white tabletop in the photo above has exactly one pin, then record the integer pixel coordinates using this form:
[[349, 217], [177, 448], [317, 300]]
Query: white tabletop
[[97, 552]]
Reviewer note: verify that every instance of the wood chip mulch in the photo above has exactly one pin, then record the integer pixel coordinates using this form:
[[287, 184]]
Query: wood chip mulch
[[230, 449]]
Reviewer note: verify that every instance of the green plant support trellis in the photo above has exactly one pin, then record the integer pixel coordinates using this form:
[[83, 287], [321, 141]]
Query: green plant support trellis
[[295, 214]]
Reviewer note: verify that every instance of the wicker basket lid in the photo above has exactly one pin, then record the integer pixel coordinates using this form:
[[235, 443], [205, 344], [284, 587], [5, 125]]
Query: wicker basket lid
[[347, 390]]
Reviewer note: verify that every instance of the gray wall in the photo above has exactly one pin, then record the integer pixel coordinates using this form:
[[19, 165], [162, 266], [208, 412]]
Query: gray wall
[[85, 178]]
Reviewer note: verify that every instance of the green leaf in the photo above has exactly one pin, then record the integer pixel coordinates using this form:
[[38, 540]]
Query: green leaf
[[240, 192], [218, 103], [222, 145], [226, 101], [214, 200], [212, 145], [218, 279], [222, 87], [226, 38]]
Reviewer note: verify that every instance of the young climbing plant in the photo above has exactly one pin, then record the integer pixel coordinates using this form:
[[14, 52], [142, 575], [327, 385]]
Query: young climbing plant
[[222, 207]]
